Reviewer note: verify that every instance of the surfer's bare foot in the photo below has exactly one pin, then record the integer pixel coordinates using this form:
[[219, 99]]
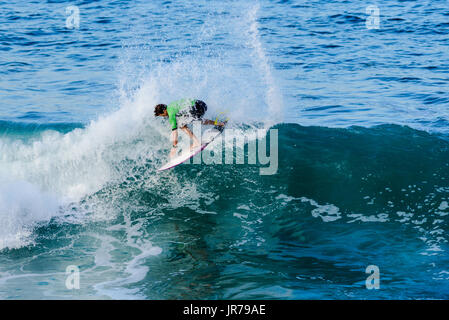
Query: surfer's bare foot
[[173, 152], [194, 146]]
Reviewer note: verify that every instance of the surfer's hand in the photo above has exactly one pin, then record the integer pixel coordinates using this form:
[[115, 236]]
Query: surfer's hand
[[173, 152]]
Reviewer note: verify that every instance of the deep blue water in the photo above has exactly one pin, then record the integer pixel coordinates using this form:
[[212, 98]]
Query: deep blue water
[[362, 119]]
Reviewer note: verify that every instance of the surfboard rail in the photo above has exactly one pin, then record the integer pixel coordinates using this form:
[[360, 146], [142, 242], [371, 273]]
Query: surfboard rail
[[208, 137]]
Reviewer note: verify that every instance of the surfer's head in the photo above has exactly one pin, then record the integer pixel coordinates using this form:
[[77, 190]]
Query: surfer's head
[[160, 110]]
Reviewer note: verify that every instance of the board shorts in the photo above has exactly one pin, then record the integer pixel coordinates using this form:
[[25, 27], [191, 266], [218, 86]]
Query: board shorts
[[194, 113], [198, 110]]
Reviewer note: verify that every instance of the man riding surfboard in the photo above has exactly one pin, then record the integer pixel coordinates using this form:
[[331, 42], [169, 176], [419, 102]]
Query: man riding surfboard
[[180, 113]]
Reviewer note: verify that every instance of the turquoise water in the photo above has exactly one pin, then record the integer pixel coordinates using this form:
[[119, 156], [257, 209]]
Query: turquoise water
[[363, 149]]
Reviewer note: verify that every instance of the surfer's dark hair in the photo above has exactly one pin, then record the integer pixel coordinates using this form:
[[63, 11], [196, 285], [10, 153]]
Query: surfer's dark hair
[[159, 109]]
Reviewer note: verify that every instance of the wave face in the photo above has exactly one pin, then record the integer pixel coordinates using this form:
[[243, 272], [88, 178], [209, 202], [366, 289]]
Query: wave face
[[362, 140], [342, 199]]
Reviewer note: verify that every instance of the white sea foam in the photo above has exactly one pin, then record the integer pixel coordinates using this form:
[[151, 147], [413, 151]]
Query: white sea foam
[[22, 205]]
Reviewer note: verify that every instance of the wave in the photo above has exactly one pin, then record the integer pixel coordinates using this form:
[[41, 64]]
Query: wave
[[386, 173], [16, 129]]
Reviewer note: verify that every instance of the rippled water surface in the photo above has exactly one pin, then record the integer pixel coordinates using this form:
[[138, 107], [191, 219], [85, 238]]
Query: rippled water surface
[[362, 122]]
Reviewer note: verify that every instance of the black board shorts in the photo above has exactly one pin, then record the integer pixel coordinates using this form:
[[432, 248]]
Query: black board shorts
[[198, 110], [193, 113]]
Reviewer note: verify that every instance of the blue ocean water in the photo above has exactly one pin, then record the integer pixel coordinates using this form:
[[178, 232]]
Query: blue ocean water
[[362, 116]]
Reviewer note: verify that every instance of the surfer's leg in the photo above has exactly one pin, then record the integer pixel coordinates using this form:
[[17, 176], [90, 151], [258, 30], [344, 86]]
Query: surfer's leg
[[196, 142]]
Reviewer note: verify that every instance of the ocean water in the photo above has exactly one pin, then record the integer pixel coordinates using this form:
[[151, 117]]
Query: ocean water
[[362, 178]]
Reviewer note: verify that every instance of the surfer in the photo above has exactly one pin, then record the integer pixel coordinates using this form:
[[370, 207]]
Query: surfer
[[180, 113]]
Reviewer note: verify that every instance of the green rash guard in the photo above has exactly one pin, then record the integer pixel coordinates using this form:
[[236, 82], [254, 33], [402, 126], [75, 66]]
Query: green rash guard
[[176, 107]]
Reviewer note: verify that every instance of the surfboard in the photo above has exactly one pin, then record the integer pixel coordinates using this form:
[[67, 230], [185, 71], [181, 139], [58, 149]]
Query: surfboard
[[206, 138]]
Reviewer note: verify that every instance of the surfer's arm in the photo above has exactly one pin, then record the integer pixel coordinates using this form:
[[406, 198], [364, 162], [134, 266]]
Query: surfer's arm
[[213, 123], [208, 122], [174, 137]]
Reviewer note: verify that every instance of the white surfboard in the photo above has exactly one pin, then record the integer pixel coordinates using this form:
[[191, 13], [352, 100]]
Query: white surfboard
[[207, 138]]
